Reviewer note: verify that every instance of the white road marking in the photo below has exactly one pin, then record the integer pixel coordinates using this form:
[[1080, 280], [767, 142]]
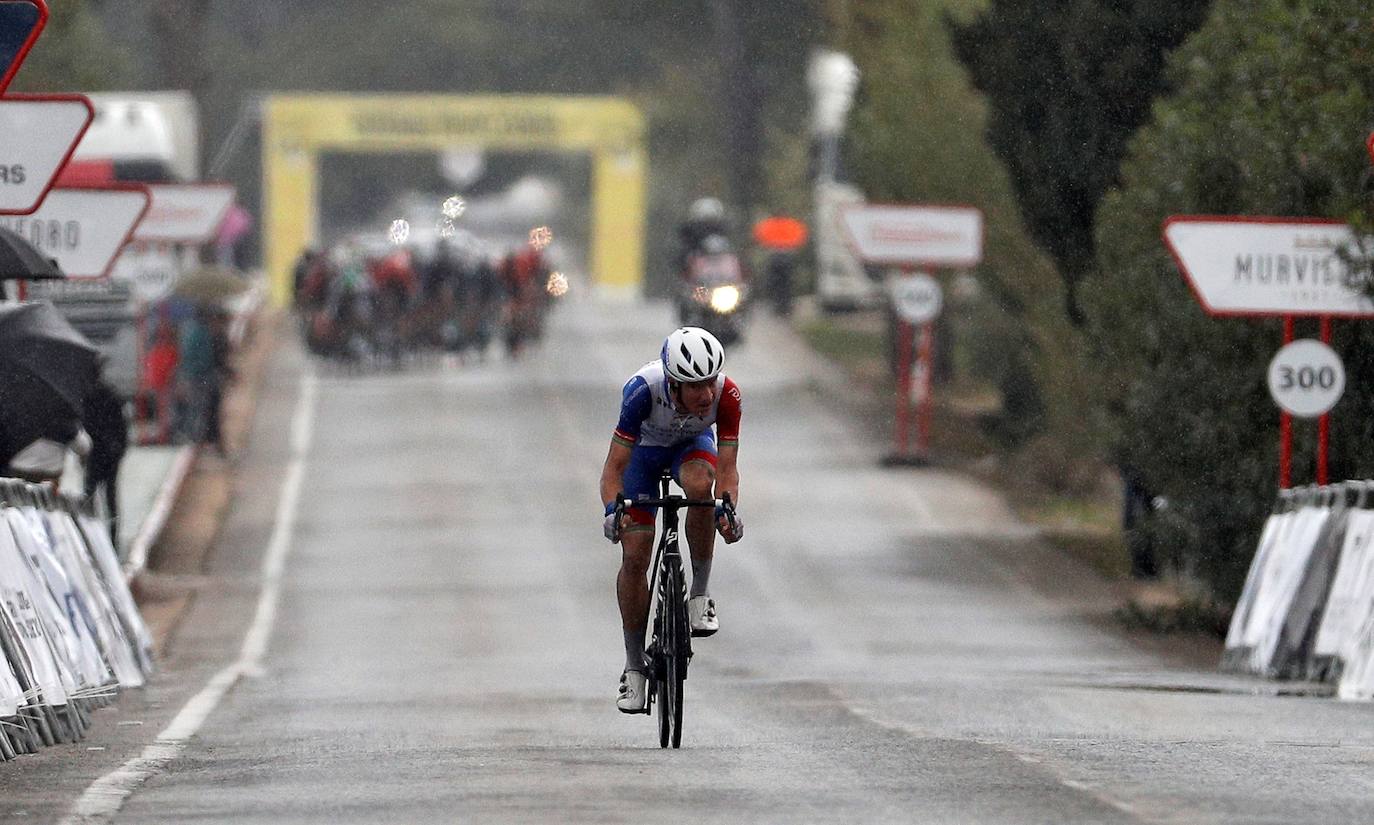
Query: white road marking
[[103, 799]]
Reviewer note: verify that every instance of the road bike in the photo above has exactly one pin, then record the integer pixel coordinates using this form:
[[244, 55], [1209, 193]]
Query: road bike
[[670, 646]]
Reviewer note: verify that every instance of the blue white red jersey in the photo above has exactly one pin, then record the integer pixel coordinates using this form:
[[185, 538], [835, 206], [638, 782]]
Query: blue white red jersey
[[649, 418]]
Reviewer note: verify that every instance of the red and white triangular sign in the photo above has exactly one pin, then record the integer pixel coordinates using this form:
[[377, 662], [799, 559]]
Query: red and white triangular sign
[[40, 133], [21, 21], [83, 229], [188, 213], [1255, 265]]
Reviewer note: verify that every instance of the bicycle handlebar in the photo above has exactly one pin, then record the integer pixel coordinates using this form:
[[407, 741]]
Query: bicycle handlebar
[[676, 502]]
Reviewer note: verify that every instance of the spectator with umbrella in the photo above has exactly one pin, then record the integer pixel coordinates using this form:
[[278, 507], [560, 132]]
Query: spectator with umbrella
[[46, 370], [103, 418], [21, 261]]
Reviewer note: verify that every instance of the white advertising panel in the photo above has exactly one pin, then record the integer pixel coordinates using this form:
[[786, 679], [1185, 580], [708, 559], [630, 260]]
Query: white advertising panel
[[188, 213], [1264, 266], [915, 235], [83, 229], [37, 136]]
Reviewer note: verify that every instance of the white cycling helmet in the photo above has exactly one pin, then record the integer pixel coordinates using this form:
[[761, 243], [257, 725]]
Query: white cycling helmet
[[692, 354]]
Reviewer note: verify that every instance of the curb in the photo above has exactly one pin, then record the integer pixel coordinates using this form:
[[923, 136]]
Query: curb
[[151, 528]]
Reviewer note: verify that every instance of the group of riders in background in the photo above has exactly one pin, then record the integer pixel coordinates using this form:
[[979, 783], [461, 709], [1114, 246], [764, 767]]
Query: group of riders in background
[[367, 303], [365, 306]]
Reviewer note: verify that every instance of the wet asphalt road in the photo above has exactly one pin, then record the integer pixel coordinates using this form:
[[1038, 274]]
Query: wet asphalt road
[[895, 647]]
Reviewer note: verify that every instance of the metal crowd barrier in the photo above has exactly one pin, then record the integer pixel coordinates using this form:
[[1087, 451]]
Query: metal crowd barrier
[[1307, 608], [70, 632]]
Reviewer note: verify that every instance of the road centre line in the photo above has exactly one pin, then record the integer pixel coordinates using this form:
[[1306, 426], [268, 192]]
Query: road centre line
[[103, 799]]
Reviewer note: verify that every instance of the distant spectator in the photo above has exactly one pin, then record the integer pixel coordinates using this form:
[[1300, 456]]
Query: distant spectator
[[195, 376], [104, 419], [222, 373], [159, 379], [1138, 502]]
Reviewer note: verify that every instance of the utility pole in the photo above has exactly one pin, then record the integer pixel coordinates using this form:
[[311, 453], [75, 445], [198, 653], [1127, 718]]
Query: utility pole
[[740, 107]]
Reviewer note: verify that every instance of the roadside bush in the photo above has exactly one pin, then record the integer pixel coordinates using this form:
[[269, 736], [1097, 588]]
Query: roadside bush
[[1270, 119]]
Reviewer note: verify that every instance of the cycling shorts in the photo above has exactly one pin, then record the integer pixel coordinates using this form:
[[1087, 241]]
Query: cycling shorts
[[648, 463]]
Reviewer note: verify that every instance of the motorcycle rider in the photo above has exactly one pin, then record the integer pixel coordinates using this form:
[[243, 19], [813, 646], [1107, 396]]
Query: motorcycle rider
[[705, 218]]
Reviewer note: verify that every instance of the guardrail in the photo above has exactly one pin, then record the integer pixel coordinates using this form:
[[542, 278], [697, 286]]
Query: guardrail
[[1307, 608], [71, 634]]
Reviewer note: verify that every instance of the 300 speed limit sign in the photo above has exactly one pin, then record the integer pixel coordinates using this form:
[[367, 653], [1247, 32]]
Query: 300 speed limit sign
[[1306, 378]]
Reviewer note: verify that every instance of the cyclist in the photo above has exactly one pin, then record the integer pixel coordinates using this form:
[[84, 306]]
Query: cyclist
[[666, 415]]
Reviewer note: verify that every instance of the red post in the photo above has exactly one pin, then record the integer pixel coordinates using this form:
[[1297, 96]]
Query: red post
[[1286, 424], [905, 336], [926, 359], [1324, 422]]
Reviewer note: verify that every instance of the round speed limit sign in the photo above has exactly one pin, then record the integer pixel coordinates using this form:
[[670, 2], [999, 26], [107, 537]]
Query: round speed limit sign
[[917, 298], [1306, 378]]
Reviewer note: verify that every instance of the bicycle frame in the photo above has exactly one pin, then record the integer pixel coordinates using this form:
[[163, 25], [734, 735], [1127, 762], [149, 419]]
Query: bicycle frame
[[670, 647]]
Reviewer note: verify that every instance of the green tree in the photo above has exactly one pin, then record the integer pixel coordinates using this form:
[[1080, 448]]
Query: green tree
[[1270, 119], [73, 54], [1068, 82], [916, 137]]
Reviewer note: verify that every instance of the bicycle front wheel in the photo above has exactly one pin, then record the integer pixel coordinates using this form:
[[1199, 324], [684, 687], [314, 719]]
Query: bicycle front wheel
[[665, 721], [677, 673]]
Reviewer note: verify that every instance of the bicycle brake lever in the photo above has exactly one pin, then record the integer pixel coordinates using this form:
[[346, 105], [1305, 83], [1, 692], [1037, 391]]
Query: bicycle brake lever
[[728, 507]]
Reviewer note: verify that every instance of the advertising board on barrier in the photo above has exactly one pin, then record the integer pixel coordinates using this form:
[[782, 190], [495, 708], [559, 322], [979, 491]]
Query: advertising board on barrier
[[82, 229]]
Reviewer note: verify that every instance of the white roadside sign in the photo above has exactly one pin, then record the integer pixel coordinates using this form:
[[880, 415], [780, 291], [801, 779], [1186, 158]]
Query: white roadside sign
[[83, 229], [915, 235], [1269, 266], [37, 136], [1306, 378], [187, 213], [150, 270], [917, 298]]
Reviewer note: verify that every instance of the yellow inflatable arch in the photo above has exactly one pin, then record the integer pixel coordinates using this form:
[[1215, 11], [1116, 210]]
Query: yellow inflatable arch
[[298, 128]]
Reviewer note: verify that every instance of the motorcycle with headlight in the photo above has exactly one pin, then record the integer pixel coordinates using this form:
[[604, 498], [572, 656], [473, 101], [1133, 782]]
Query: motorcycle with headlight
[[714, 295]]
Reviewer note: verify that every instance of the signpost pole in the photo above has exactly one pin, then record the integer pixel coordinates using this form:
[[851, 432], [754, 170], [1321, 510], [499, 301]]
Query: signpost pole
[[904, 346], [1323, 423], [927, 362], [1286, 424]]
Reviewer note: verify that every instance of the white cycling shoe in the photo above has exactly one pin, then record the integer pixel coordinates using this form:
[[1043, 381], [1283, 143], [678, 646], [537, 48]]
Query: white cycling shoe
[[701, 614], [634, 692]]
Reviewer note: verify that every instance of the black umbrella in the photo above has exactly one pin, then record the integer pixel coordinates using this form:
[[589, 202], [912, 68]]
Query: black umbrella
[[46, 368], [21, 260]]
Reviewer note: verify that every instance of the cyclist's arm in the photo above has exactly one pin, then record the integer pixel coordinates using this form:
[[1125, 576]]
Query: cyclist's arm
[[727, 429], [635, 404], [727, 472], [617, 459]]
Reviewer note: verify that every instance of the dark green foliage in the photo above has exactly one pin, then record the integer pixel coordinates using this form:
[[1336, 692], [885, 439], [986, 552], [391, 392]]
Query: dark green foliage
[[74, 53], [664, 56], [1068, 82], [915, 138], [1270, 119]]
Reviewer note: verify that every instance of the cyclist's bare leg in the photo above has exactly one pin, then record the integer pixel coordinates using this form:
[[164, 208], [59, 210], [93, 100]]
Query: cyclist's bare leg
[[632, 590], [698, 480]]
